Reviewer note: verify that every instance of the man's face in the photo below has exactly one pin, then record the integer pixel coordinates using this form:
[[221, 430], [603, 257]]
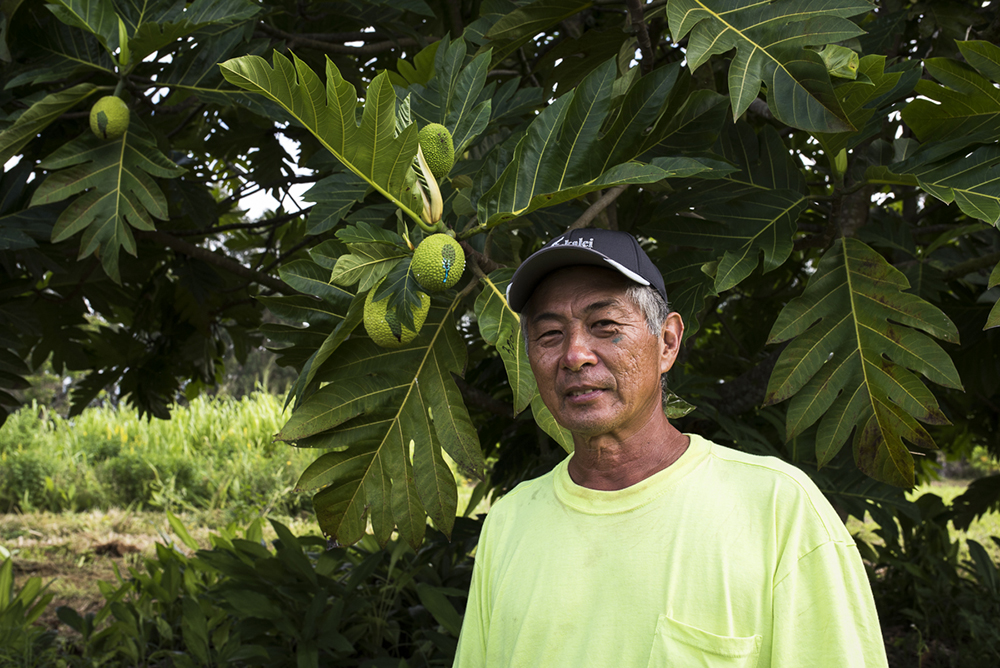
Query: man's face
[[597, 365]]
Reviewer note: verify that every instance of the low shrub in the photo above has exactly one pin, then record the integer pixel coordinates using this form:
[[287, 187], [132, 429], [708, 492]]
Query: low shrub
[[296, 603], [22, 478], [942, 610]]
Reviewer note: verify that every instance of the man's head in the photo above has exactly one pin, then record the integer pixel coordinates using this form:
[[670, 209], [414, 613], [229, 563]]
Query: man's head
[[597, 330]]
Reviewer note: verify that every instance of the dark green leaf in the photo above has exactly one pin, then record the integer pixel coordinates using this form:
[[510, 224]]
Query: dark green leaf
[[855, 337], [770, 41]]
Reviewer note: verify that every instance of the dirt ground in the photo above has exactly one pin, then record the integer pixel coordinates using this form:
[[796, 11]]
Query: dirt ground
[[72, 552]]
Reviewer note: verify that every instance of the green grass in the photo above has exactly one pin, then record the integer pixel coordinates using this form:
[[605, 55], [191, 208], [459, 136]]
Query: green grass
[[212, 454]]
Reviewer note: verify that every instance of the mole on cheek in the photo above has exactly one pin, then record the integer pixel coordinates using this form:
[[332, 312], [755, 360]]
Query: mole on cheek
[[617, 339]]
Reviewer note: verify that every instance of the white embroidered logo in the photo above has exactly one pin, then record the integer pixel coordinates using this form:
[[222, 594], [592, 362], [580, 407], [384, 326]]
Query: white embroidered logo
[[582, 243]]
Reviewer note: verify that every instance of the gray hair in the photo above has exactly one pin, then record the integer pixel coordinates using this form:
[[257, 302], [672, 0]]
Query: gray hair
[[645, 297]]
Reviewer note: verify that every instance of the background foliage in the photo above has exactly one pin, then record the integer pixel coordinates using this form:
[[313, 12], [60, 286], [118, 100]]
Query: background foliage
[[818, 182]]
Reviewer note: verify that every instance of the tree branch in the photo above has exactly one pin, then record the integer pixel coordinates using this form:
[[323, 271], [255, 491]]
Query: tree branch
[[217, 259], [602, 203], [481, 262], [373, 49], [969, 266], [642, 35], [473, 396]]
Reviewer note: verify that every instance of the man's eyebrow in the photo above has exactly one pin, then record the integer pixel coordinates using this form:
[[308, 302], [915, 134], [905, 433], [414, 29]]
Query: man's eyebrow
[[590, 308]]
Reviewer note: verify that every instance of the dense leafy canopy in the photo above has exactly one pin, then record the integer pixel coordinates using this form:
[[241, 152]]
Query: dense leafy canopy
[[818, 181]]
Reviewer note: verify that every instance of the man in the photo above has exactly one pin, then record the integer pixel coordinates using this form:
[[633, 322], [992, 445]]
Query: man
[[649, 547]]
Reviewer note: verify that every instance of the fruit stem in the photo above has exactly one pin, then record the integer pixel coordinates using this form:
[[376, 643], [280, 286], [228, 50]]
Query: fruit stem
[[120, 87]]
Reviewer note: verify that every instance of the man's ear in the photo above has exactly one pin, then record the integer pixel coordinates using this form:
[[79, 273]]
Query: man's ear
[[671, 335]]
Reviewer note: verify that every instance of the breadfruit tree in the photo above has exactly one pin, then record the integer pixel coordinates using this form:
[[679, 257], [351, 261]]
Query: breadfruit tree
[[818, 181]]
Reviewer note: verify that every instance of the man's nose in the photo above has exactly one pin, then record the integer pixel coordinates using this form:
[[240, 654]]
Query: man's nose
[[578, 353]]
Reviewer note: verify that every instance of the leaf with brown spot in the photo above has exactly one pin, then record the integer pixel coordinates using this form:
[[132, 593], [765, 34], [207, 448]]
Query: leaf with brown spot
[[859, 343]]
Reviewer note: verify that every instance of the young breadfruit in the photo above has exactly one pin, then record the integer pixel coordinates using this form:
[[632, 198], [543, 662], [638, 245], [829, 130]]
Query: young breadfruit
[[438, 148], [109, 117], [384, 327], [438, 262]]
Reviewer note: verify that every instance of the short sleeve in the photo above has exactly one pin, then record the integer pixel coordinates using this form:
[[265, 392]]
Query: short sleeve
[[824, 612]]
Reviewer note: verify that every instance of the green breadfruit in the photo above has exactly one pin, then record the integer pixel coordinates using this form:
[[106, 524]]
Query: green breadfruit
[[384, 327], [109, 117], [438, 263], [439, 150]]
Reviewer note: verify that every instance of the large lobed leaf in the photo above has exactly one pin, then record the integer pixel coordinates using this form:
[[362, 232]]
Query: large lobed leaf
[[857, 341], [375, 407], [115, 178], [566, 152], [371, 149], [770, 40]]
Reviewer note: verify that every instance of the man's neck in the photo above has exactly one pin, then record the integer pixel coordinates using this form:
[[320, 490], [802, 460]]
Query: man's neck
[[606, 463]]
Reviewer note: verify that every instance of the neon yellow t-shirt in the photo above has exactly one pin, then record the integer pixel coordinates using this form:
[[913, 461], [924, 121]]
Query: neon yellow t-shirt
[[722, 560]]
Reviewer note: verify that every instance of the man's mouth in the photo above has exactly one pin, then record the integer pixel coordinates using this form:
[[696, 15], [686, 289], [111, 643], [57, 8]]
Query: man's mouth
[[584, 393]]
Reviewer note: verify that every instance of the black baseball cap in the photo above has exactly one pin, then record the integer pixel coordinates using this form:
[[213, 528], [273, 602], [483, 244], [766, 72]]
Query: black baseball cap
[[602, 248]]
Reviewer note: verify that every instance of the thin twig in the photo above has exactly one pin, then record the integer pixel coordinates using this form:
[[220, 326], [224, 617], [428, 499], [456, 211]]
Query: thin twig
[[373, 49], [600, 205]]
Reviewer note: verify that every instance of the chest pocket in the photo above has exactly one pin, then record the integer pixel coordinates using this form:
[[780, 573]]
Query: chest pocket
[[677, 645]]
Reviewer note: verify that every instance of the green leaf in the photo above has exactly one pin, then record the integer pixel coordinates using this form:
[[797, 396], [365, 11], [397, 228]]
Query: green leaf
[[371, 150], [125, 55], [513, 30], [993, 320], [840, 61], [310, 278], [437, 603], [964, 103], [499, 326], [118, 191], [544, 419], [454, 96], [689, 285], [373, 403], [350, 322], [38, 117], [374, 253], [749, 213], [563, 154], [95, 16], [984, 56], [154, 33], [857, 340], [181, 531], [972, 181], [334, 196], [857, 99], [770, 40], [745, 228]]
